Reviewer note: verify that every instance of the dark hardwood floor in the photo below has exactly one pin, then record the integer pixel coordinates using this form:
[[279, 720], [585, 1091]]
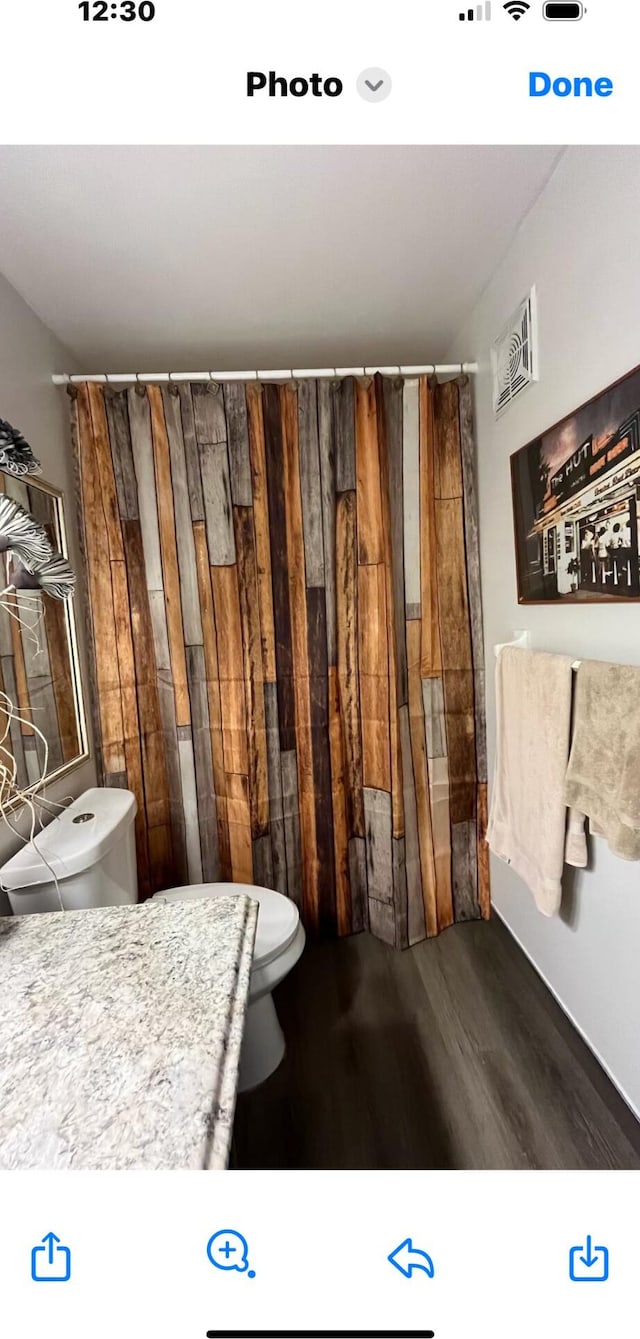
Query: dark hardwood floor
[[450, 1055]]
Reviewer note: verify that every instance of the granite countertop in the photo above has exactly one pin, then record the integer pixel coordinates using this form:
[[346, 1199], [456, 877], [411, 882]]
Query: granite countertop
[[120, 1034]]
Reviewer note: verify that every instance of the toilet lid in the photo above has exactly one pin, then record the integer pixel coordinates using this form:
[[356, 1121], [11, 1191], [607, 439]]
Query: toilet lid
[[278, 917]]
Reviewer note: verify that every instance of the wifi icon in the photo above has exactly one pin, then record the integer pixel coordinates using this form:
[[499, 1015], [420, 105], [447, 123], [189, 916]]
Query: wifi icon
[[516, 8]]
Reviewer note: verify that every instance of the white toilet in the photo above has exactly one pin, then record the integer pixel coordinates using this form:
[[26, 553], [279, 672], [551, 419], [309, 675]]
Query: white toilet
[[91, 851], [280, 939]]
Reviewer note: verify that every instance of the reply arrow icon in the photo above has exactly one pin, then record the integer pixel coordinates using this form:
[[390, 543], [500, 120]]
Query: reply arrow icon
[[406, 1258]]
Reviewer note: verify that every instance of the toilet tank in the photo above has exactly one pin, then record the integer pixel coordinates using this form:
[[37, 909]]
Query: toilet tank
[[90, 849]]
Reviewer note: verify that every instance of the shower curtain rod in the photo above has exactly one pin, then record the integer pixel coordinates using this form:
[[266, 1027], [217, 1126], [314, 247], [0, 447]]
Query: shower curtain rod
[[285, 374]]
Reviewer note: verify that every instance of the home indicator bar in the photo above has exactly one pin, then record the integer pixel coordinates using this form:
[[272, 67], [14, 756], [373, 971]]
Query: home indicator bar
[[321, 1334]]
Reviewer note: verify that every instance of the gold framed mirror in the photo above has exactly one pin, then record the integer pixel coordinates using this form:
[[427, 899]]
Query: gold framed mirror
[[39, 664]]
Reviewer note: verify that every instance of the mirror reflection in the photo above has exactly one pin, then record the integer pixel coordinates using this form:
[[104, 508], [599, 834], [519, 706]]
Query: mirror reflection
[[45, 734]]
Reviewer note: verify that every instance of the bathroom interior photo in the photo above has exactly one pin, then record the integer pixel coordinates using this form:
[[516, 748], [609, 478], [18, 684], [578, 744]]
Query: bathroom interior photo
[[319, 658]]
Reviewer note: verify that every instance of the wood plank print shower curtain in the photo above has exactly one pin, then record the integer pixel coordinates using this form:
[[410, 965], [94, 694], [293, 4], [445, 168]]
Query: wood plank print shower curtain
[[285, 626]]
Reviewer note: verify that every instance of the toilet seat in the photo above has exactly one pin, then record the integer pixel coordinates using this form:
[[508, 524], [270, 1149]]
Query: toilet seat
[[278, 916]]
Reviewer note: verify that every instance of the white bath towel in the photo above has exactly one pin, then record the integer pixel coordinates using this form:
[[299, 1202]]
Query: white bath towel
[[528, 812]]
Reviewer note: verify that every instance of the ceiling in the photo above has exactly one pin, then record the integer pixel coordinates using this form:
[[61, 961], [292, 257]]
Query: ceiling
[[189, 259]]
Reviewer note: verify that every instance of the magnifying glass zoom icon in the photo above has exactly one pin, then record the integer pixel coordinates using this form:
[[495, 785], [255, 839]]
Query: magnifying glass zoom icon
[[228, 1250]]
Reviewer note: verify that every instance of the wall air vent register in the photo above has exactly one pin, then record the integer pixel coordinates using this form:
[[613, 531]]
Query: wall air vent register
[[514, 355]]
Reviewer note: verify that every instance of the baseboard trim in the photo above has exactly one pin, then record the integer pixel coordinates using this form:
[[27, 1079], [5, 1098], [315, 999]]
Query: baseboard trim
[[574, 1022]]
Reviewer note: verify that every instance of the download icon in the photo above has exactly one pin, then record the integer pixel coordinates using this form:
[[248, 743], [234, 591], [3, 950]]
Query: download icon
[[589, 1264]]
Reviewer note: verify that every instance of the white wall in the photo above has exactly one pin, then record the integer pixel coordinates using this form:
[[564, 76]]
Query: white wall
[[579, 245], [29, 353]]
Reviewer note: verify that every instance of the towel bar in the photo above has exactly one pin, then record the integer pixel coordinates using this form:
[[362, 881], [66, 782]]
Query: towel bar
[[522, 639]]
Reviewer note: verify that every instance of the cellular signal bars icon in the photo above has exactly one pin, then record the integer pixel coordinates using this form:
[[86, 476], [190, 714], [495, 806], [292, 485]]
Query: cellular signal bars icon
[[480, 12]]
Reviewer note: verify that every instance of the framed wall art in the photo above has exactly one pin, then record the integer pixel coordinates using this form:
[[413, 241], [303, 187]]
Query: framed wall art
[[576, 503]]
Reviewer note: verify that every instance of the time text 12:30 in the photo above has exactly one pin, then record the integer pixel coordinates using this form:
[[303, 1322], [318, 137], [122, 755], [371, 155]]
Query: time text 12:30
[[100, 11]]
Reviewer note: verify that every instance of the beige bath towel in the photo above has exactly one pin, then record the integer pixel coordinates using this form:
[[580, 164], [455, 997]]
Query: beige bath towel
[[603, 777], [528, 813]]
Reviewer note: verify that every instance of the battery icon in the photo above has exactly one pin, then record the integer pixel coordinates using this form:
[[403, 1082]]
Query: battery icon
[[551, 10]]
